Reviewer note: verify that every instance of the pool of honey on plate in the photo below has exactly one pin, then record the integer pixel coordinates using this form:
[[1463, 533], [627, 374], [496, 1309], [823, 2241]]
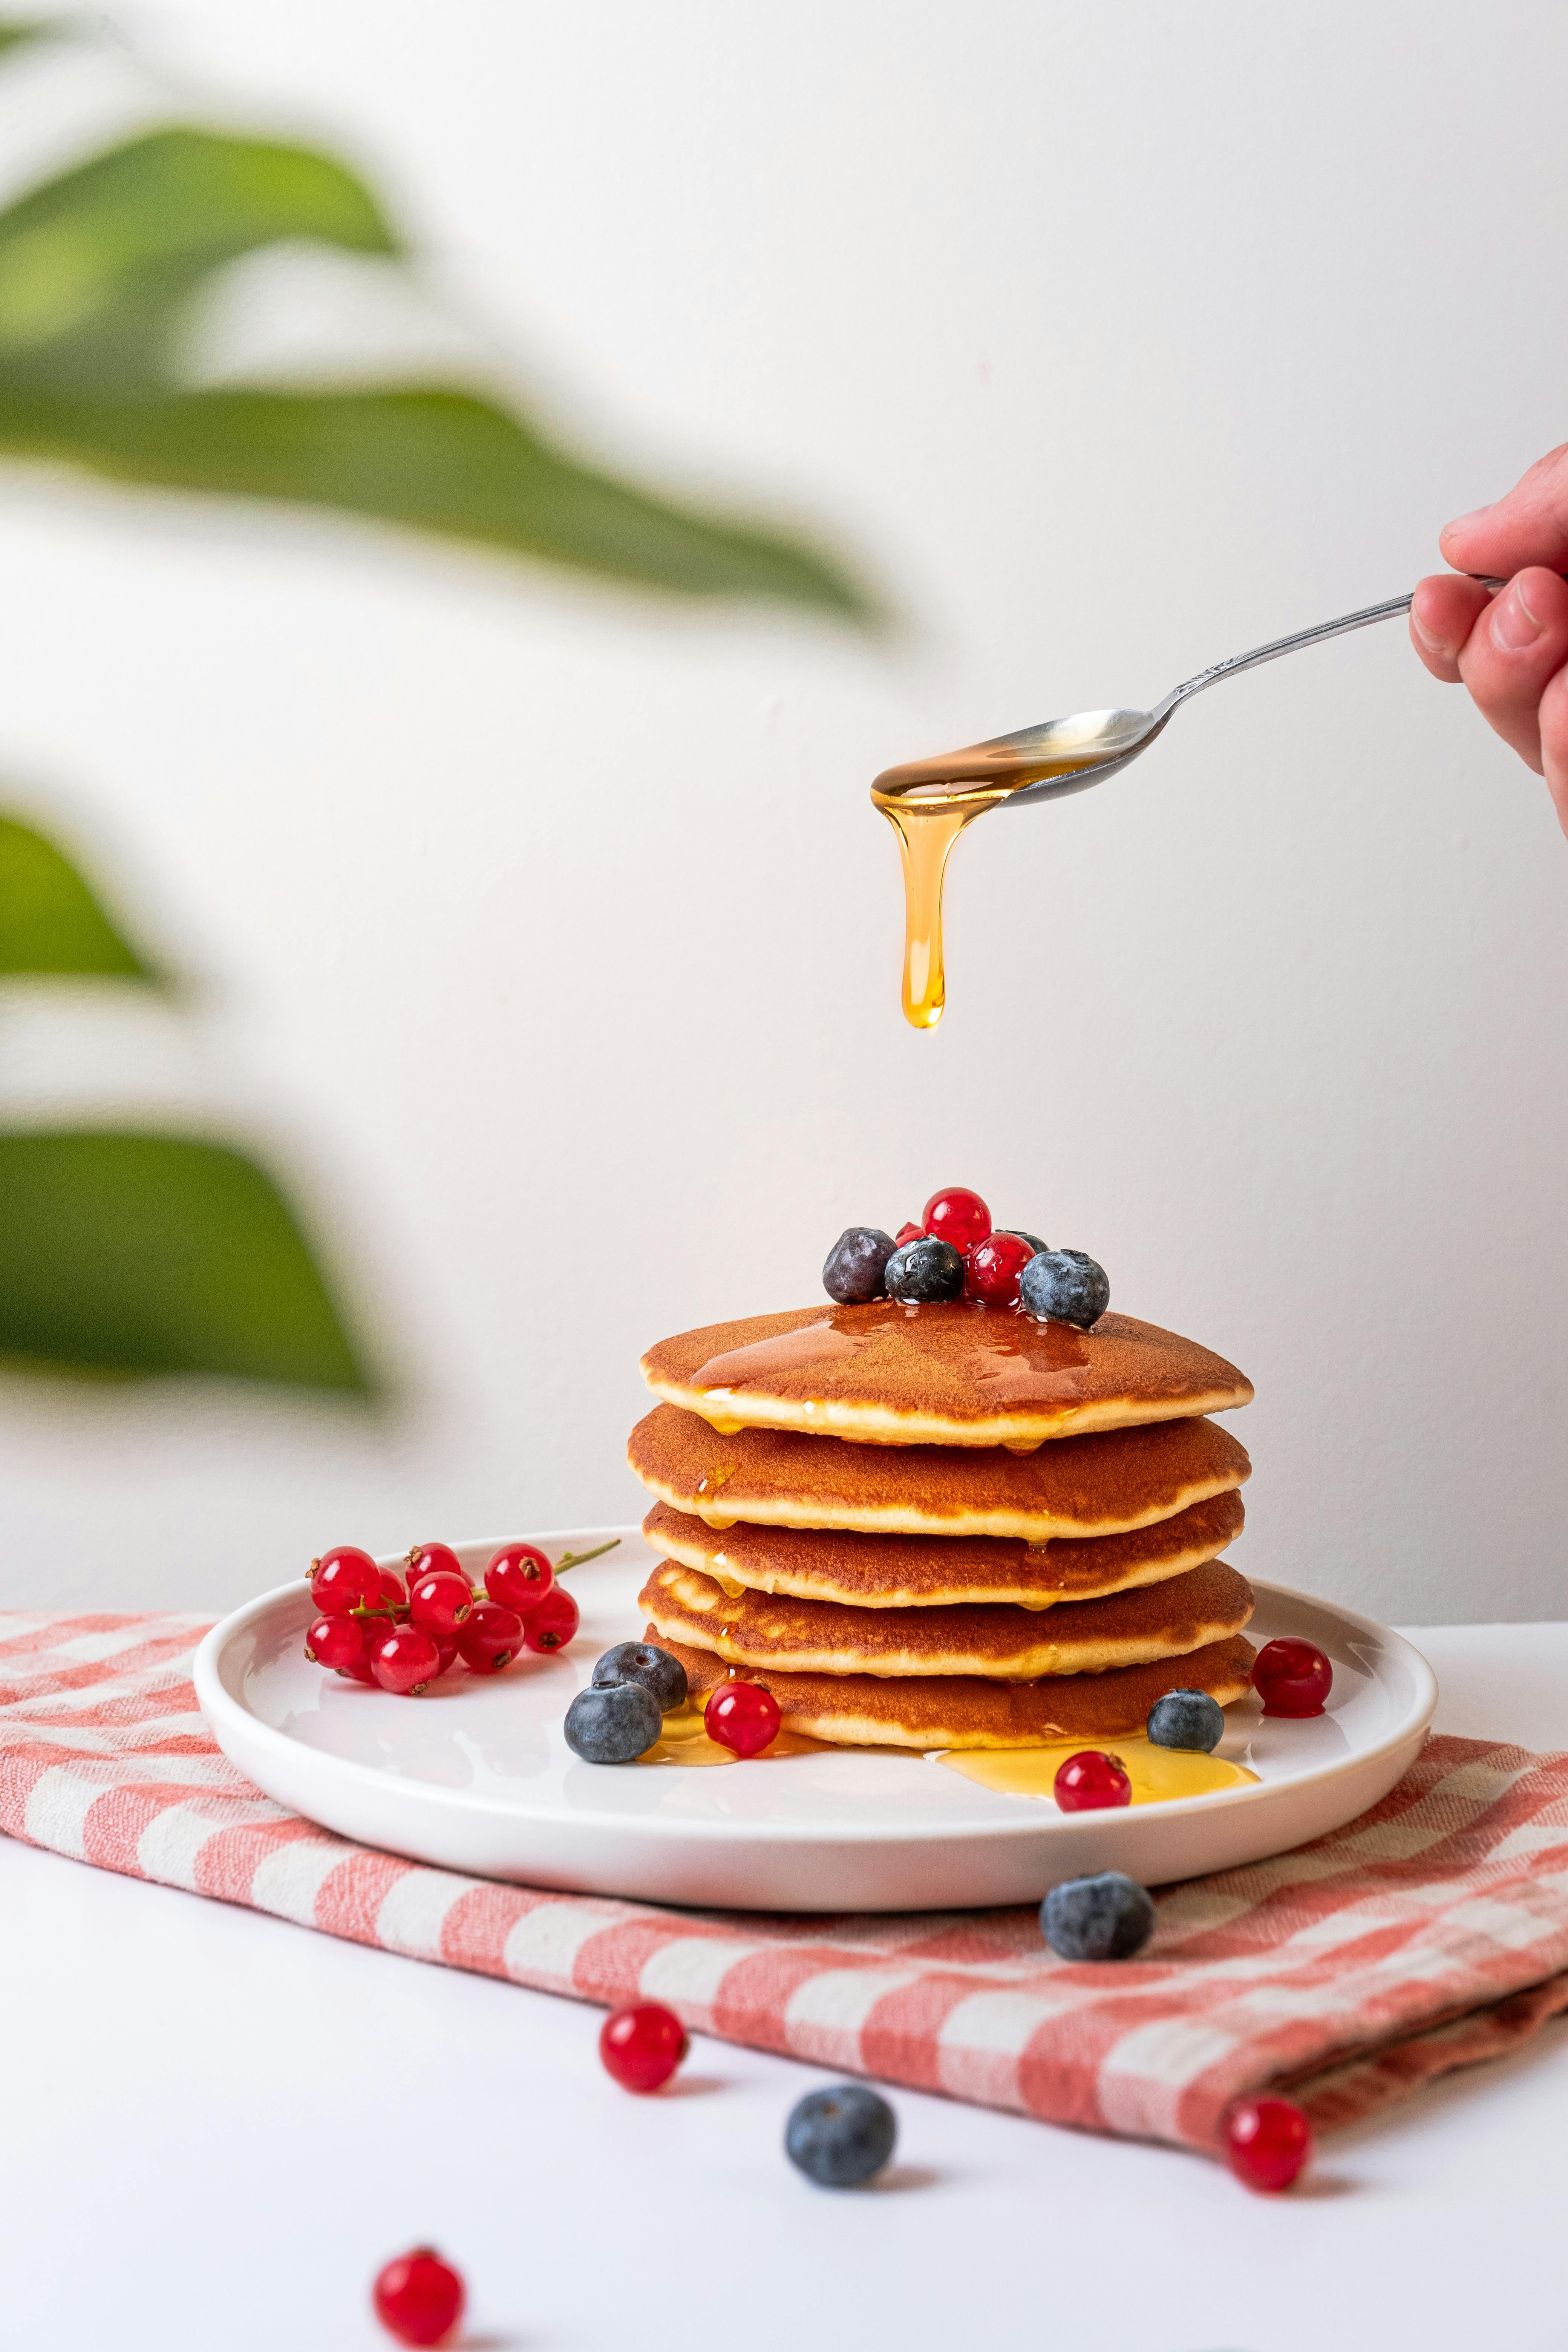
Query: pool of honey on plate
[[1157, 1774]]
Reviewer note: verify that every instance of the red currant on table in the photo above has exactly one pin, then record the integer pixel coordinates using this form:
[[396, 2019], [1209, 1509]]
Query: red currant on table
[[337, 1643], [520, 1575], [743, 1717], [418, 2297], [1291, 1677], [441, 1602], [957, 1215], [1089, 1781], [491, 1638], [404, 1660], [1268, 2142], [343, 1579], [992, 1267], [642, 2046], [425, 1559], [551, 1624]]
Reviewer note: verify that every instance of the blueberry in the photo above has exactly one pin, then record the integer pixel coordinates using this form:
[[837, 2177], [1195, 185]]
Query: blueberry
[[856, 1265], [1065, 1286], [1186, 1719], [925, 1270], [1106, 1917], [841, 2137], [1018, 1234], [611, 1723], [641, 1662]]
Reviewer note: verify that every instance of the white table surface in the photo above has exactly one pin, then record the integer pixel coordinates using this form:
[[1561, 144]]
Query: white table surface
[[215, 2126]]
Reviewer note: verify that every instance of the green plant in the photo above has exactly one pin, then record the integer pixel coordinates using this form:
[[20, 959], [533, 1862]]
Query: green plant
[[126, 1253]]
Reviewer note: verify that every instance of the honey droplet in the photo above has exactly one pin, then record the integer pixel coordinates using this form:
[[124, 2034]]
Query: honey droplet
[[720, 1475], [729, 1588]]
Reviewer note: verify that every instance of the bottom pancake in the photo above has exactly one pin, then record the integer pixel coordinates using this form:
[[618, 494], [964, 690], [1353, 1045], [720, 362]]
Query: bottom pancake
[[967, 1711]]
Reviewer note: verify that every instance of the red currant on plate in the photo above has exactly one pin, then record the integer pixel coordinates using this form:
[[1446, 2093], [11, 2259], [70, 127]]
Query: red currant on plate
[[448, 1654], [404, 1660], [441, 1602], [520, 1575], [491, 1638], [425, 1559], [906, 1234], [392, 1595], [742, 1718], [343, 1579], [335, 1643], [1291, 1677], [957, 1215], [1267, 2142], [418, 2297], [642, 2046], [1089, 1781], [552, 1624], [992, 1267]]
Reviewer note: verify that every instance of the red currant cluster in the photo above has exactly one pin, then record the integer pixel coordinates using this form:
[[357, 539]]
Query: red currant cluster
[[993, 1262], [376, 1627]]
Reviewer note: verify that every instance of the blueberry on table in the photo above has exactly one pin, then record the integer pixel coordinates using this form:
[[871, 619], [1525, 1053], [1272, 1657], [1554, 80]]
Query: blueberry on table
[[1186, 1719], [1065, 1287], [1108, 1916], [645, 1663], [856, 1265], [926, 1270], [1018, 1234], [612, 1723], [840, 2137]]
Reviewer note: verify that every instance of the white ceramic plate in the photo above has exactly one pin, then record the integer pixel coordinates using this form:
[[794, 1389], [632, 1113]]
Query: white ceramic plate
[[476, 1776]]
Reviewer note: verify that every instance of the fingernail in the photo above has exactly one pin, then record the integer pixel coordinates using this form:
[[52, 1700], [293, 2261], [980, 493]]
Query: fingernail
[[1463, 522], [1514, 625], [1429, 637]]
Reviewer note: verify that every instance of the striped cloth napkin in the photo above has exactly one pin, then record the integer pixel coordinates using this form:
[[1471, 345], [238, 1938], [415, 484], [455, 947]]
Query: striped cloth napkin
[[1429, 1934]]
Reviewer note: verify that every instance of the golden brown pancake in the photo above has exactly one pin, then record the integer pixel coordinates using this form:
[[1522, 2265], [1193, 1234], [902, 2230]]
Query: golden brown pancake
[[952, 1373], [1079, 1486], [1016, 1645], [965, 1711], [935, 1571]]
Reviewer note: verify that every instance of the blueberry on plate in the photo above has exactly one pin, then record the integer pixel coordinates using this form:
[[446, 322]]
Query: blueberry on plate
[[1106, 1917], [1034, 1240], [1186, 1719], [926, 1270], [856, 1265], [840, 2137], [1065, 1287], [645, 1663], [612, 1723]]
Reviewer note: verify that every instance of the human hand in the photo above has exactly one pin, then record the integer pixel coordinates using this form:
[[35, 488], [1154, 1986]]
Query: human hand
[[1511, 648]]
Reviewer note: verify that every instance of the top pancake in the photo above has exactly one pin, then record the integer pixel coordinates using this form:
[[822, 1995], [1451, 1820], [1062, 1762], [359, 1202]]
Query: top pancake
[[950, 1373], [1079, 1486]]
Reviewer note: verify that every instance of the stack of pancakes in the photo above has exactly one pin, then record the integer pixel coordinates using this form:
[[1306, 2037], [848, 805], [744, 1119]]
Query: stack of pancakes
[[946, 1526]]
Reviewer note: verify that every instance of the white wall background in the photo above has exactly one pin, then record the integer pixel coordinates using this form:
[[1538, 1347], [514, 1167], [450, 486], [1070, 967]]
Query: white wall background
[[551, 934]]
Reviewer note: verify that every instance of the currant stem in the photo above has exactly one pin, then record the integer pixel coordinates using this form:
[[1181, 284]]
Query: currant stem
[[576, 1559]]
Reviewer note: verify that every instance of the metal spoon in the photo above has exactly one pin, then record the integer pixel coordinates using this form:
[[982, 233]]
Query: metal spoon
[[1068, 755]]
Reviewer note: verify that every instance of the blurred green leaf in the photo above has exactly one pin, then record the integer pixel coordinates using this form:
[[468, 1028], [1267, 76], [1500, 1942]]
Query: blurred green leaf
[[98, 267], [49, 919], [153, 1254], [438, 461], [20, 29]]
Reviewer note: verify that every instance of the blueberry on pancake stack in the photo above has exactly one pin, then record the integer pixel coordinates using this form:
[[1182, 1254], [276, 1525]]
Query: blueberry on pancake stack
[[962, 1506]]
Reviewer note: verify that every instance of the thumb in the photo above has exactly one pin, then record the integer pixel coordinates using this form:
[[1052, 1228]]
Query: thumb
[[1530, 525]]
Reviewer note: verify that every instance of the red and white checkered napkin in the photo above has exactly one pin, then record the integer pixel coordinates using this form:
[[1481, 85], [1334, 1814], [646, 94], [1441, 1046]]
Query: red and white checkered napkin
[[1431, 1933]]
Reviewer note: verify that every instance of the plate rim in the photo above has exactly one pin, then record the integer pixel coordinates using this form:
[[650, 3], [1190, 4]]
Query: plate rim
[[214, 1703]]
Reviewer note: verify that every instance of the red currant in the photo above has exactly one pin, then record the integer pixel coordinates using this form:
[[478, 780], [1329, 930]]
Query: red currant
[[642, 2046], [335, 1643], [520, 1575], [743, 1717], [392, 1595], [448, 1654], [551, 1624], [440, 1601], [993, 1266], [425, 1560], [491, 1638], [957, 1216], [404, 1660], [345, 1578], [1267, 2142], [1089, 1781], [906, 1234], [418, 2298], [1291, 1677]]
